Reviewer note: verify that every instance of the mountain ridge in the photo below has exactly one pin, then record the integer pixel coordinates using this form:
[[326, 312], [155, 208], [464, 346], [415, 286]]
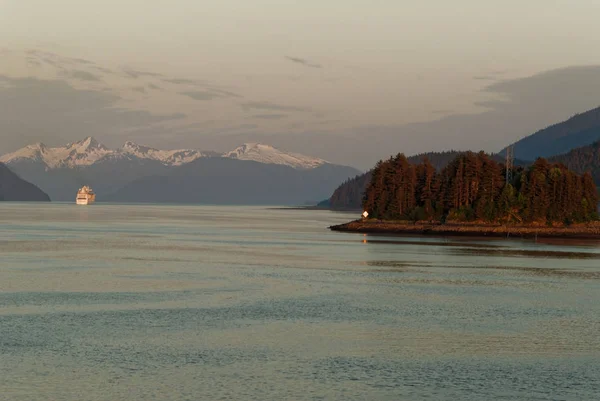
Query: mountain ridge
[[89, 151], [579, 130], [233, 182], [60, 171]]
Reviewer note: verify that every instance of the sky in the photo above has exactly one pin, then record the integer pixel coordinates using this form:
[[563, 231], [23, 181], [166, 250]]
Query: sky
[[350, 81]]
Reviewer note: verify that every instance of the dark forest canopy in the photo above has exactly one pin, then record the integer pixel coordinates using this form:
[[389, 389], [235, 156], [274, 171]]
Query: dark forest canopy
[[580, 160], [473, 187], [350, 194]]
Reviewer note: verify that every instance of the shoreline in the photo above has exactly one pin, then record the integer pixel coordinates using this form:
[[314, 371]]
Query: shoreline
[[575, 231]]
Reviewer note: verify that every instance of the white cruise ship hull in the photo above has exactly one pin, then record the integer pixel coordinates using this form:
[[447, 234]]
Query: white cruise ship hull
[[84, 202]]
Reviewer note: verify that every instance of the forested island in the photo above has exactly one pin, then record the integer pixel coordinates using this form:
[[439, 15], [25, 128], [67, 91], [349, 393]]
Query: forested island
[[474, 195]]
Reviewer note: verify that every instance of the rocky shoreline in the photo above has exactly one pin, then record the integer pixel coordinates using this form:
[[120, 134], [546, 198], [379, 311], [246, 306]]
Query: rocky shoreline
[[372, 226]]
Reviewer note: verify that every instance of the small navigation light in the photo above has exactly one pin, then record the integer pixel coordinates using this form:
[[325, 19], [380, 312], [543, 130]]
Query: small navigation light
[[365, 214]]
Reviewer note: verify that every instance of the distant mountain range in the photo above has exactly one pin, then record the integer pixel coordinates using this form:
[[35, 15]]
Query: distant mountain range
[[13, 188], [580, 130], [228, 181], [89, 151], [135, 173]]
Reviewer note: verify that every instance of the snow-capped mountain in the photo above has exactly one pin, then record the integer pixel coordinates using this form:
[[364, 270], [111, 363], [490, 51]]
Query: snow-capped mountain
[[251, 174], [89, 151], [166, 157], [82, 153], [269, 155]]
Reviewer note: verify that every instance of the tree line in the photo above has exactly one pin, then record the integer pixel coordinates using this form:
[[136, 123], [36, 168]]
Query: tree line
[[473, 187], [350, 194]]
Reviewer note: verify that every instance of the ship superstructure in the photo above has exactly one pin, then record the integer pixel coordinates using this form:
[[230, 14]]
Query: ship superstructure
[[85, 196]]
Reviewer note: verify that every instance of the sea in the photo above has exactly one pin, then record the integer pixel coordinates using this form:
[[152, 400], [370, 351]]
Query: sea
[[164, 302]]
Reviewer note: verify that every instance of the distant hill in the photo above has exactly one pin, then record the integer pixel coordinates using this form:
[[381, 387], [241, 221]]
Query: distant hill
[[234, 182], [579, 130], [13, 188], [582, 160]]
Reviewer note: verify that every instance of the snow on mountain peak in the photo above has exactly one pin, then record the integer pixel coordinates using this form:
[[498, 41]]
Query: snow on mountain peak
[[89, 151], [261, 153], [31, 152], [37, 146], [134, 148], [167, 157], [88, 144]]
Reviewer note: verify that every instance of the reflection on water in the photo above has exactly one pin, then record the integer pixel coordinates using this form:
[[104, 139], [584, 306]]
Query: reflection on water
[[114, 302]]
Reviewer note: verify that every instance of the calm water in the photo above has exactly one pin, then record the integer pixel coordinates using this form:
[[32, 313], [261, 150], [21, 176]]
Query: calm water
[[114, 302]]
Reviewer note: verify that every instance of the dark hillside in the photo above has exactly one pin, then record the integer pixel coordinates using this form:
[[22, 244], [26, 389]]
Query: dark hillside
[[579, 130], [582, 160], [13, 188]]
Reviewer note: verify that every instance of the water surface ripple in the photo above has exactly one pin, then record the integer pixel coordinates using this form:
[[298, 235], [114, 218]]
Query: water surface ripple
[[148, 302]]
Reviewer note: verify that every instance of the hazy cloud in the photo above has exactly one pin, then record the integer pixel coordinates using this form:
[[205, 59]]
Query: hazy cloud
[[56, 59], [81, 75], [52, 62], [139, 89], [136, 73], [181, 81], [33, 61], [26, 115], [155, 87], [303, 62], [271, 106], [485, 78], [202, 95], [270, 116], [81, 61], [225, 93], [517, 108], [103, 69]]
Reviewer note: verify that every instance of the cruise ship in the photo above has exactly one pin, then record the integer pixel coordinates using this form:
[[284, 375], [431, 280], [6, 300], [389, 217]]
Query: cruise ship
[[85, 196]]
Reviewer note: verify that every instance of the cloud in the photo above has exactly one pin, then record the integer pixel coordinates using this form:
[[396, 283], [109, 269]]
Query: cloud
[[181, 81], [515, 108], [202, 95], [52, 62], [81, 61], [81, 75], [103, 69], [271, 106], [155, 87], [210, 94], [225, 93], [270, 116], [485, 78], [26, 115], [56, 59], [303, 62], [139, 89], [33, 61], [136, 73]]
